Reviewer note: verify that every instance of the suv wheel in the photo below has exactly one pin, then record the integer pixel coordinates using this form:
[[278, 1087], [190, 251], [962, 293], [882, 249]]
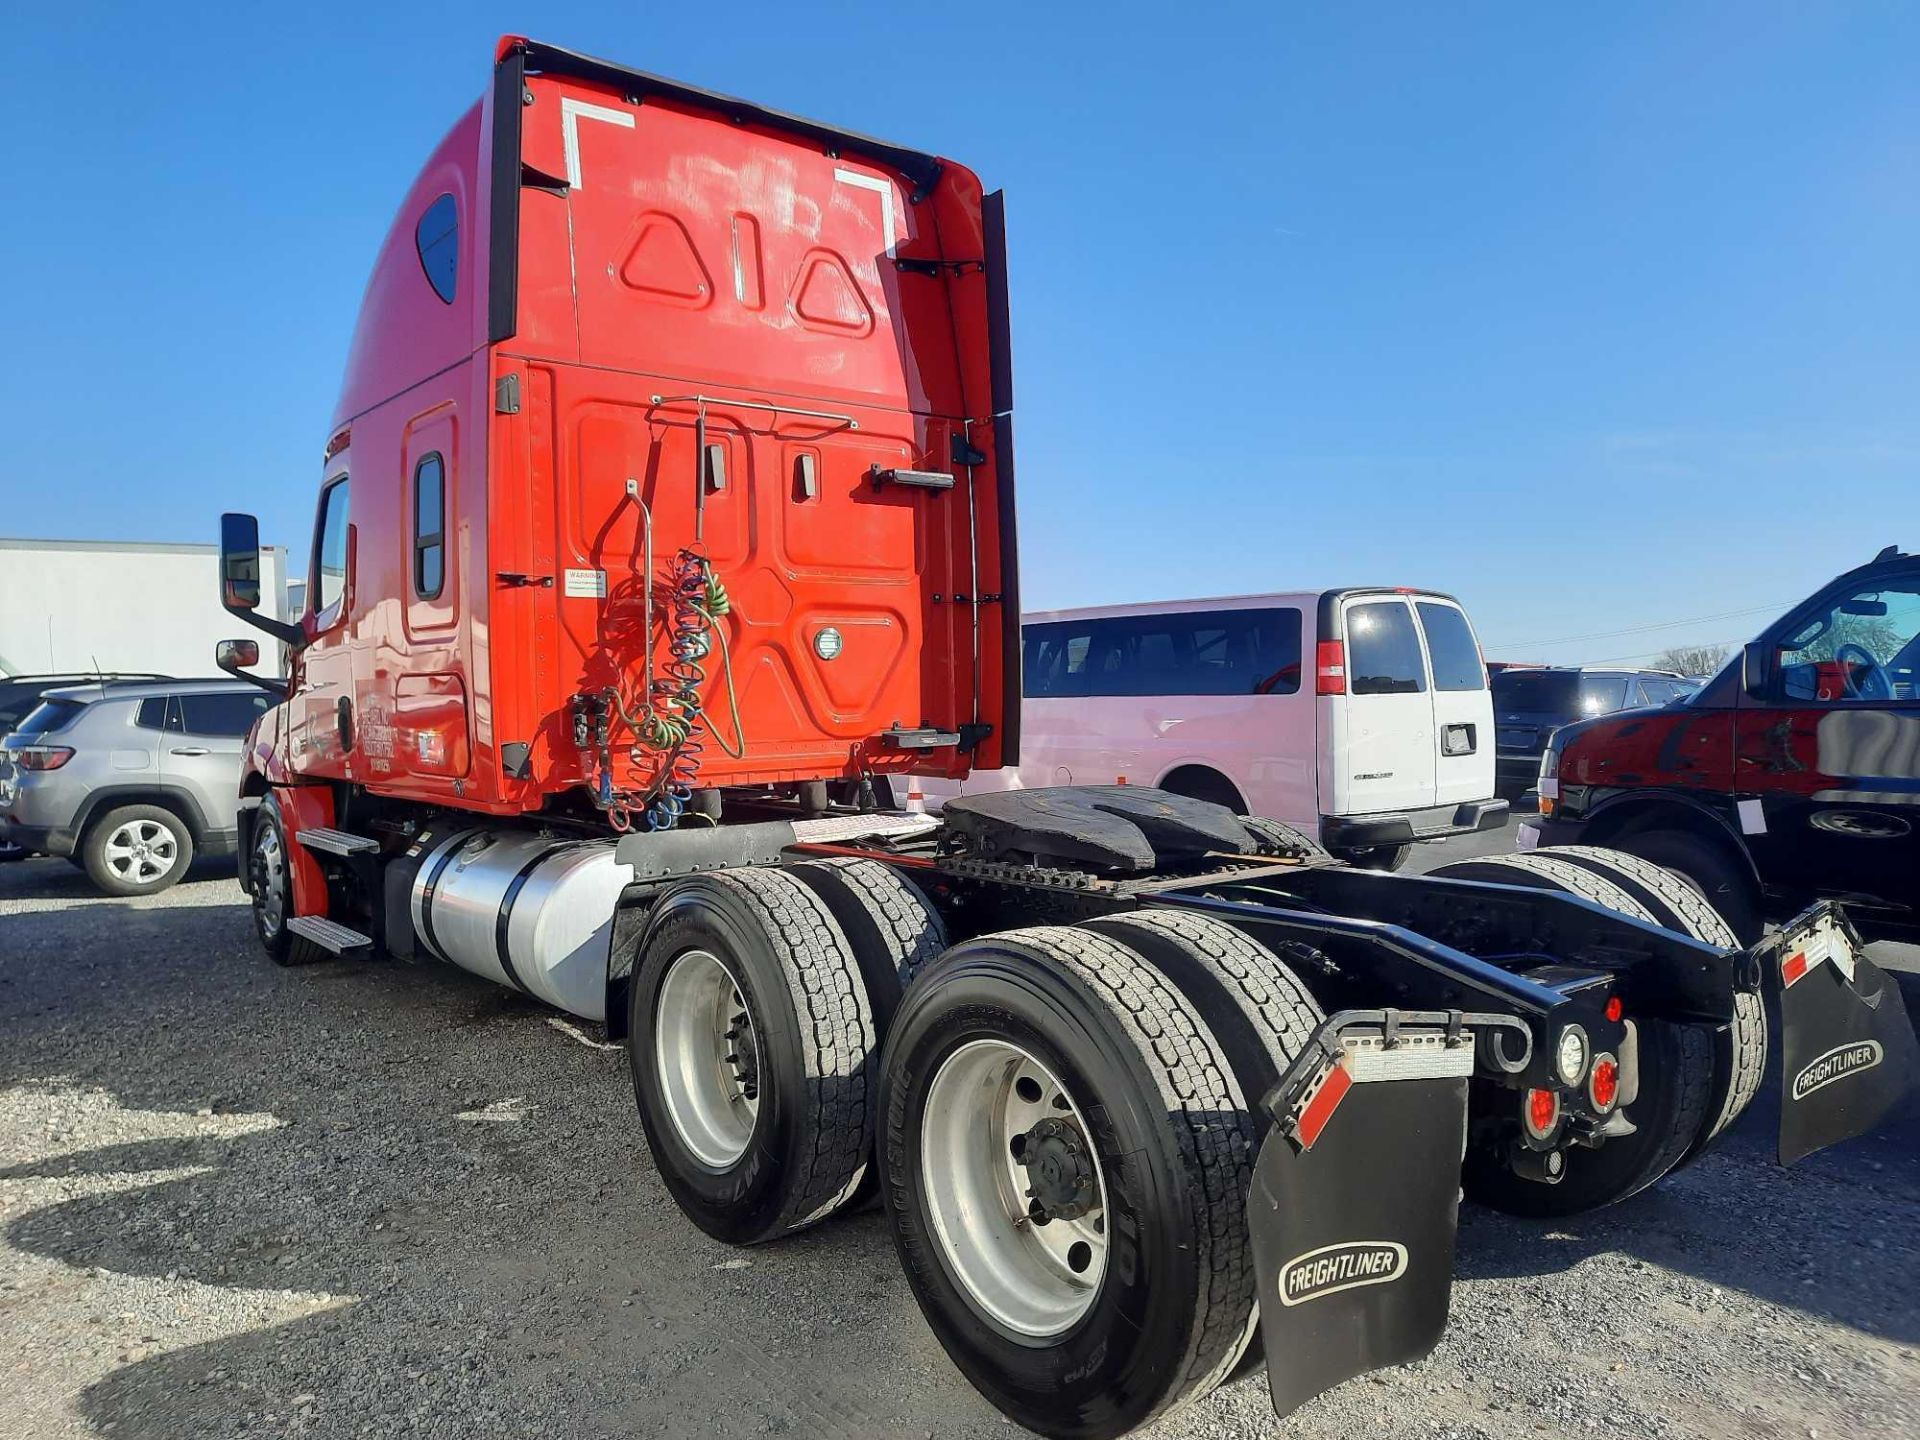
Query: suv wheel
[[137, 850], [1376, 857]]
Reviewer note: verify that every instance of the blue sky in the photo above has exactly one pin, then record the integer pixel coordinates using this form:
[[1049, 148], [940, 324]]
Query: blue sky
[[1599, 317]]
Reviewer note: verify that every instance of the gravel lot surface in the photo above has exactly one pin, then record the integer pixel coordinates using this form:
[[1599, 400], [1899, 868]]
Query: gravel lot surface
[[371, 1200]]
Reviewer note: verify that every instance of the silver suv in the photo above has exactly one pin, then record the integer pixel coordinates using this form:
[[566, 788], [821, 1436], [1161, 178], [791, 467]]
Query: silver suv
[[129, 780]]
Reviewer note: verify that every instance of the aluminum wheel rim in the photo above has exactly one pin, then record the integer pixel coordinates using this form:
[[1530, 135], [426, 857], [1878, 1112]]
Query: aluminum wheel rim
[[1031, 1279], [269, 881], [707, 1056], [141, 851]]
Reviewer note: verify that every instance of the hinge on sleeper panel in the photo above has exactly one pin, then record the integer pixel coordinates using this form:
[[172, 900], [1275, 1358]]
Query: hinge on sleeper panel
[[534, 178], [506, 395], [915, 265]]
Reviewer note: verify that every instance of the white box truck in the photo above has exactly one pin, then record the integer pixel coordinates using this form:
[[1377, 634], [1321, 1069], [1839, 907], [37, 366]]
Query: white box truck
[[85, 605]]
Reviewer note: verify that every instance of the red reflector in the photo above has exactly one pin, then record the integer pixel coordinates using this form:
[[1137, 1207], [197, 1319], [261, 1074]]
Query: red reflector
[[1330, 668], [1543, 1110], [1603, 1086], [1615, 1009], [1793, 967], [1325, 1101]]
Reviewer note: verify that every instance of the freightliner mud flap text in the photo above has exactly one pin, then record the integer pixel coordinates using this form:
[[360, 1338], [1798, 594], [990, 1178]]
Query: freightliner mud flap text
[[1356, 1194]]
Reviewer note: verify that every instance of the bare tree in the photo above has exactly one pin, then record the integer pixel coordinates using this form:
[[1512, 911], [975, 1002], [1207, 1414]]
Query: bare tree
[[1692, 659]]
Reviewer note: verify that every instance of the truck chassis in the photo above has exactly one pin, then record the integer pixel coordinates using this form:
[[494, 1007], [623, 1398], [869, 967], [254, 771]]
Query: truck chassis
[[1152, 1093]]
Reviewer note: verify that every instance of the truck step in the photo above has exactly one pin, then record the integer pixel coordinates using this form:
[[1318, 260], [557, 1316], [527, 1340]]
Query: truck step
[[328, 935], [336, 842]]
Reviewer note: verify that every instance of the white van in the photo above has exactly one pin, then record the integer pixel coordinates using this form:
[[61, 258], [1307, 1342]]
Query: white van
[[1382, 738]]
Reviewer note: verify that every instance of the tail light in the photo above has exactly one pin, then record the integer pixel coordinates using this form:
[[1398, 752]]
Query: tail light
[[43, 757], [1603, 1085], [1330, 668], [1540, 1112]]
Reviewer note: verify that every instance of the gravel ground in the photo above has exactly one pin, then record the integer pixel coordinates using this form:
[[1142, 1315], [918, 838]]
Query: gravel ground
[[365, 1199]]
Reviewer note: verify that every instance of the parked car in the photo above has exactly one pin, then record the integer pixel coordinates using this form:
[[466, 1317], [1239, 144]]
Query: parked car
[[1531, 702], [1386, 742], [129, 779], [1793, 775], [18, 695]]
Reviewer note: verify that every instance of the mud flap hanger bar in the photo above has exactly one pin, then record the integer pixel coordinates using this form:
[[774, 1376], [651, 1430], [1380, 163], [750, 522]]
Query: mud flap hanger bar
[[1363, 1046]]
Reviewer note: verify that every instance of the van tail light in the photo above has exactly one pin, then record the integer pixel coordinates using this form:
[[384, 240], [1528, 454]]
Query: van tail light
[[43, 757], [1330, 668]]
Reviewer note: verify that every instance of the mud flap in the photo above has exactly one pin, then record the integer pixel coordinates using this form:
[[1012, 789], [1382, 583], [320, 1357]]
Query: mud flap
[[1356, 1195], [1847, 1048]]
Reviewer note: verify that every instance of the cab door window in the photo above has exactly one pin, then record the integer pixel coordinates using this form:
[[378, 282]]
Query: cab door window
[[1861, 649], [330, 552]]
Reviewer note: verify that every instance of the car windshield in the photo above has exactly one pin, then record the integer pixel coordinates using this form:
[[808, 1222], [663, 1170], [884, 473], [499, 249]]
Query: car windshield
[[49, 716], [1557, 692]]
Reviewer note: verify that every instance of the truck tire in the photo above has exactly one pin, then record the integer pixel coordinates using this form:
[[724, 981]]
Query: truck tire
[[1676, 1080], [1065, 1039], [752, 1047], [1289, 842], [137, 850], [1705, 865], [892, 928], [270, 887], [1255, 1005], [1677, 905]]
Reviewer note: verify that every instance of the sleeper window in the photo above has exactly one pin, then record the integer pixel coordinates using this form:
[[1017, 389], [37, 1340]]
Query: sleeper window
[[438, 239], [429, 526]]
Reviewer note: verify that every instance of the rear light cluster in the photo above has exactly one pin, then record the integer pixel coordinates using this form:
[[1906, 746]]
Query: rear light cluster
[[1330, 668], [43, 757]]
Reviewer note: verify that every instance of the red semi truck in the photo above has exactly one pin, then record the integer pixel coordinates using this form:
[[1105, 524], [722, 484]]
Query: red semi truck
[[668, 508]]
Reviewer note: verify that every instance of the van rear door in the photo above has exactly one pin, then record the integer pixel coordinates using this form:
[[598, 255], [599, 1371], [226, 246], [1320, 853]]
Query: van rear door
[[1462, 703], [1380, 737]]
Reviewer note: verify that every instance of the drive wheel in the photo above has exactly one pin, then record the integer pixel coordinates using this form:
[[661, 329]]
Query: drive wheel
[[1066, 1159], [1255, 1005], [752, 1045], [1669, 1112], [1708, 868], [137, 850], [1678, 905], [887, 921]]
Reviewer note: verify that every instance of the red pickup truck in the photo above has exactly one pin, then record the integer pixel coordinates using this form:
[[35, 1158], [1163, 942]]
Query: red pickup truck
[[1793, 775]]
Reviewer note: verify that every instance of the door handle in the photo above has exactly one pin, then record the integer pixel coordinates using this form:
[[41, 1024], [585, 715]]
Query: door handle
[[191, 750]]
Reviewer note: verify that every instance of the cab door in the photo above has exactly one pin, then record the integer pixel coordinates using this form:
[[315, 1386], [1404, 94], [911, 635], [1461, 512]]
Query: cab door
[[1827, 763], [321, 718], [1382, 746]]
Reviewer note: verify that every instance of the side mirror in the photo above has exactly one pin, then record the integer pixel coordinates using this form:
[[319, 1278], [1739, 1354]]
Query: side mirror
[[233, 656], [239, 562], [240, 581], [1756, 666]]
